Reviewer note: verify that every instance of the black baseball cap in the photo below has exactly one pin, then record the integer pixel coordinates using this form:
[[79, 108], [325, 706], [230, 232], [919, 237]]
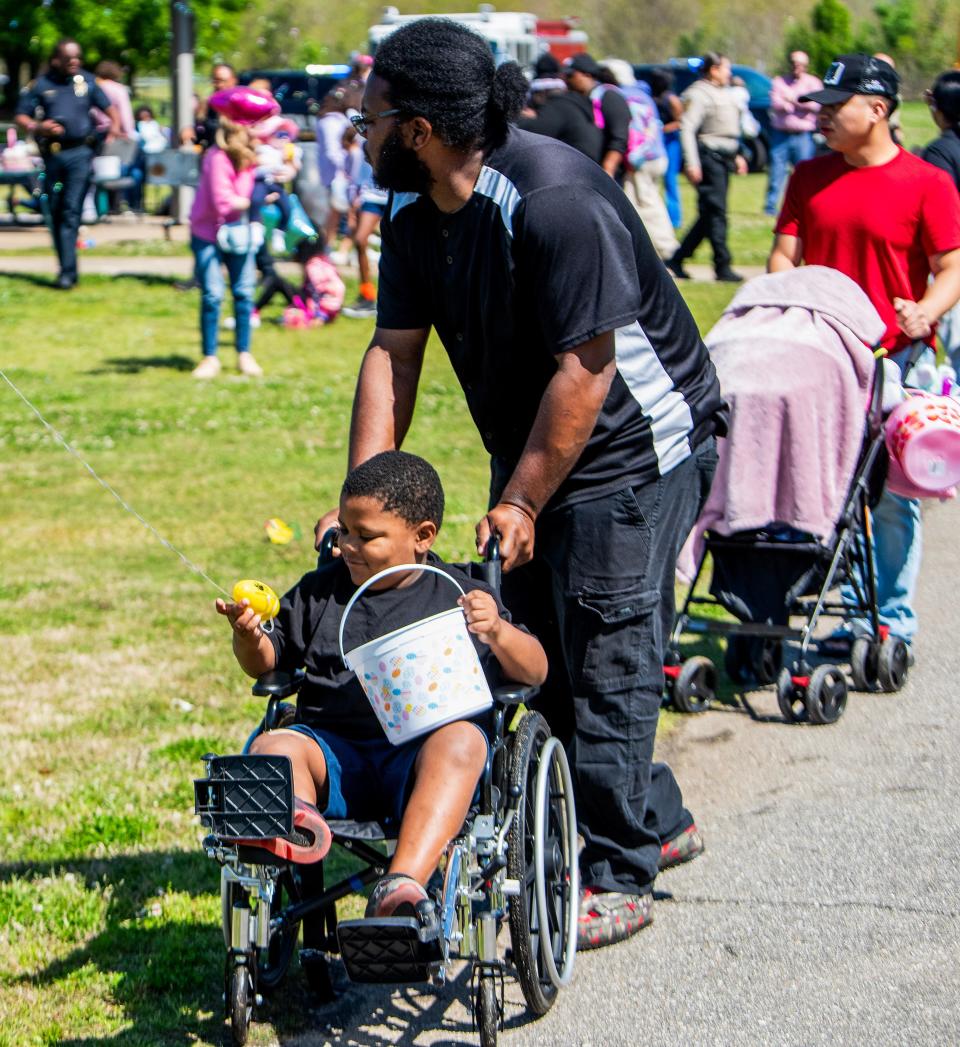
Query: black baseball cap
[[582, 63], [858, 74]]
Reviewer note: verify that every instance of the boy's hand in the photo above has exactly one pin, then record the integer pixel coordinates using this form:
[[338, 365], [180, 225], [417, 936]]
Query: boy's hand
[[245, 621], [483, 617]]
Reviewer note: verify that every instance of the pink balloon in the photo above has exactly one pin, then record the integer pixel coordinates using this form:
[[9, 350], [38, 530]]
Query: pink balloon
[[243, 105]]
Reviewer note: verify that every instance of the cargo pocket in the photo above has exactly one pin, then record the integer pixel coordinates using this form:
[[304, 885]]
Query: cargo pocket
[[613, 638]]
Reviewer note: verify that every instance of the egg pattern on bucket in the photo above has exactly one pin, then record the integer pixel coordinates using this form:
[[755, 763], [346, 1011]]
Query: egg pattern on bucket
[[424, 683]]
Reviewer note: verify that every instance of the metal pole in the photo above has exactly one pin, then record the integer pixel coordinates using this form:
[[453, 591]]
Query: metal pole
[[181, 77]]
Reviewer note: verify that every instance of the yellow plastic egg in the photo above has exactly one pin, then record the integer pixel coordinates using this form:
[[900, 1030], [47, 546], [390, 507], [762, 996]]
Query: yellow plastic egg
[[261, 597]]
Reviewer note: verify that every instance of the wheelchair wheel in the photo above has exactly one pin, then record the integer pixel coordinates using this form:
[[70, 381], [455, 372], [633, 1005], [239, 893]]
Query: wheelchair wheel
[[487, 1009], [274, 961], [542, 856], [240, 1003]]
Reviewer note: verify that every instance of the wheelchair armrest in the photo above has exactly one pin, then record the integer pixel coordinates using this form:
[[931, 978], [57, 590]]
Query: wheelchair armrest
[[278, 684], [514, 693]]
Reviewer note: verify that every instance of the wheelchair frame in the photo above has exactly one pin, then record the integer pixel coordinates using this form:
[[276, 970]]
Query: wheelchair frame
[[514, 861]]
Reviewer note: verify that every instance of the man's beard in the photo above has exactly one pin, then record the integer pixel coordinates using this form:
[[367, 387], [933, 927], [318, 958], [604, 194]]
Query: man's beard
[[401, 169]]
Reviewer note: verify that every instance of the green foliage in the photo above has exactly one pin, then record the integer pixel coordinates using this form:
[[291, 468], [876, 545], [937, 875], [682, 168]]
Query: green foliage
[[829, 33]]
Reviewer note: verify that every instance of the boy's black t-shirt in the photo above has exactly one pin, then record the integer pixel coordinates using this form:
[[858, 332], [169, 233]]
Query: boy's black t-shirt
[[306, 628]]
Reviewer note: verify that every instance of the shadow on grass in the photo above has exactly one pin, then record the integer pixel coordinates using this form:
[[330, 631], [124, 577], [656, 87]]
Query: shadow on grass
[[167, 973], [138, 364], [37, 279]]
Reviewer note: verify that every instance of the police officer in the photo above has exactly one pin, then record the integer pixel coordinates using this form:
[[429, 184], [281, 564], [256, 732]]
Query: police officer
[[56, 111]]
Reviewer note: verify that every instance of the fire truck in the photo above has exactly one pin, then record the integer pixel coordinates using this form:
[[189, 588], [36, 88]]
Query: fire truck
[[512, 35], [562, 37]]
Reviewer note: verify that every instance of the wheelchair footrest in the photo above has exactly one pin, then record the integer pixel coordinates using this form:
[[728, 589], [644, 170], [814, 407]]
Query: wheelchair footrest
[[387, 949], [246, 797]]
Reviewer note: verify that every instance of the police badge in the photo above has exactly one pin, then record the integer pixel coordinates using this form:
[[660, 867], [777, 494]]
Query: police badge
[[79, 86]]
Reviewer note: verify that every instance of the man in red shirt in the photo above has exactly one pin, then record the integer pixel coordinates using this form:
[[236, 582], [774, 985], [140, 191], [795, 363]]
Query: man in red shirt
[[887, 220]]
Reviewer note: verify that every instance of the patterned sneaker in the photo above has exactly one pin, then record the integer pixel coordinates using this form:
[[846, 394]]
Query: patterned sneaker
[[684, 847], [607, 917], [209, 367]]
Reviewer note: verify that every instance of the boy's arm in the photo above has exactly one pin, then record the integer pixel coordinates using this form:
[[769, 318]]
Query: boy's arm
[[251, 645], [520, 654]]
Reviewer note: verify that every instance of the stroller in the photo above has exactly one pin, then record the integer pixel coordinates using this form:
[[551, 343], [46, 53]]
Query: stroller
[[788, 519]]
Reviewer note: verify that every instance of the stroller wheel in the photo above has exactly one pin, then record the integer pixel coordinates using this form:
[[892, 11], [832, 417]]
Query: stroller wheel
[[736, 660], [865, 664], [893, 664], [766, 657], [696, 686], [790, 698], [826, 694]]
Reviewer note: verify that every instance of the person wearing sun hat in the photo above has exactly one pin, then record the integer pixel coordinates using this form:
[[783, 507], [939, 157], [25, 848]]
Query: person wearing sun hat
[[888, 220]]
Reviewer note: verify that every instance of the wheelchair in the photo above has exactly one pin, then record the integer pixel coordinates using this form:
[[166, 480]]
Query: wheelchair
[[514, 862]]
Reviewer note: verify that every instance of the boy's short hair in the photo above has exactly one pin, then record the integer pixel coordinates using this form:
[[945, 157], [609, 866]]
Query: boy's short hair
[[403, 483]]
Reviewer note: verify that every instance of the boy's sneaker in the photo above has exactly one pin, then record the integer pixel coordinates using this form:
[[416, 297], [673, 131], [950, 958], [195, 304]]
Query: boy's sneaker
[[607, 917], [209, 367], [396, 895], [248, 366], [684, 847], [309, 841], [361, 309]]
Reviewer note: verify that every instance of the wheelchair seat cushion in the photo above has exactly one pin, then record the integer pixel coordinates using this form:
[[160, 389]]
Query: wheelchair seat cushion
[[309, 841]]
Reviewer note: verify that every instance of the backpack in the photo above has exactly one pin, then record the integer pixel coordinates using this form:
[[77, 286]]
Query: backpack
[[645, 133]]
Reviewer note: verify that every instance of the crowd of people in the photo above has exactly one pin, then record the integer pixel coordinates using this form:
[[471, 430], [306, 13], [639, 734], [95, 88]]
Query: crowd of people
[[523, 223]]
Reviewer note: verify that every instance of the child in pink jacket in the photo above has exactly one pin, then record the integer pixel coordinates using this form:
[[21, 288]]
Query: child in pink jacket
[[223, 196]]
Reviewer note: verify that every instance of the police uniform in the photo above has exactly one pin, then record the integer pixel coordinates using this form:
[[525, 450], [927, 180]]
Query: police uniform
[[67, 158]]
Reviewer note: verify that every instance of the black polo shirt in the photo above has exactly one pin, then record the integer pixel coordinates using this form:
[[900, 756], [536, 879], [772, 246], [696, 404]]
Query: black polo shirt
[[547, 254], [68, 100]]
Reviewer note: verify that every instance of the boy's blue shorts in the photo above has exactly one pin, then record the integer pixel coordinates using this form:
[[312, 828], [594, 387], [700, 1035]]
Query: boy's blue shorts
[[368, 779]]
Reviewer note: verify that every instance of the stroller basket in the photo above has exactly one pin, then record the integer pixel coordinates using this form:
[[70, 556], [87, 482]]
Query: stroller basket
[[246, 797], [760, 580]]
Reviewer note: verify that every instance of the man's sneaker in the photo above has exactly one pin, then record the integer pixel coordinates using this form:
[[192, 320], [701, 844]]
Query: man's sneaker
[[676, 268], [728, 276], [209, 367], [607, 917], [361, 309], [684, 847], [248, 366]]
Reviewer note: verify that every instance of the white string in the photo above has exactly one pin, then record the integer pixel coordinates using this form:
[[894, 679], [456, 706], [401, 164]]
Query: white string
[[103, 483]]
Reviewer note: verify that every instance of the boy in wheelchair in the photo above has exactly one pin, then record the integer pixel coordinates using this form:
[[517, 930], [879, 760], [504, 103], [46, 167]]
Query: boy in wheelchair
[[391, 508]]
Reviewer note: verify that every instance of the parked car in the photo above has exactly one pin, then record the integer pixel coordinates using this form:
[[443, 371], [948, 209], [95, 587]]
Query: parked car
[[686, 70]]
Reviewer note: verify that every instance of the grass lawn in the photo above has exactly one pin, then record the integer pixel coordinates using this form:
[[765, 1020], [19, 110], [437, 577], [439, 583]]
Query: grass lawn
[[117, 674]]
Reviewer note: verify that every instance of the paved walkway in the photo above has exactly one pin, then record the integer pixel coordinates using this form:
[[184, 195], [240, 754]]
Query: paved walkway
[[826, 909]]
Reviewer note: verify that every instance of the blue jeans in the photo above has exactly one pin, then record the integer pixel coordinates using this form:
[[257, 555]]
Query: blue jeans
[[787, 148], [242, 272], [898, 548], [671, 184]]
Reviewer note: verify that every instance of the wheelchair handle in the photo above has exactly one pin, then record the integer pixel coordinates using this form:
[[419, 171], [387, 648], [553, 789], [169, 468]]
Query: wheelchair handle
[[493, 547], [327, 544], [376, 578]]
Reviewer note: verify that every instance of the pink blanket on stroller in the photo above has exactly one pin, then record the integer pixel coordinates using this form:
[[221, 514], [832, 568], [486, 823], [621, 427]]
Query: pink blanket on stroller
[[792, 351]]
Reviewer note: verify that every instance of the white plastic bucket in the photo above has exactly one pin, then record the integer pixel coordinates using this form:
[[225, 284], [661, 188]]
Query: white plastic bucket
[[106, 168], [421, 676]]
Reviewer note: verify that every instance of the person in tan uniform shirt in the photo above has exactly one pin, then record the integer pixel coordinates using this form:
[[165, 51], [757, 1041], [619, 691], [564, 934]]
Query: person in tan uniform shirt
[[710, 137]]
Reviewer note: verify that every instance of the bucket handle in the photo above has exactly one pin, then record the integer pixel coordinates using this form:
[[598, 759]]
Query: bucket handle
[[376, 578]]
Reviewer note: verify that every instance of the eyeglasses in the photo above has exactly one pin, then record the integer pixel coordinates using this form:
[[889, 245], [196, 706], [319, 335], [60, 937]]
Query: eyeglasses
[[361, 122]]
